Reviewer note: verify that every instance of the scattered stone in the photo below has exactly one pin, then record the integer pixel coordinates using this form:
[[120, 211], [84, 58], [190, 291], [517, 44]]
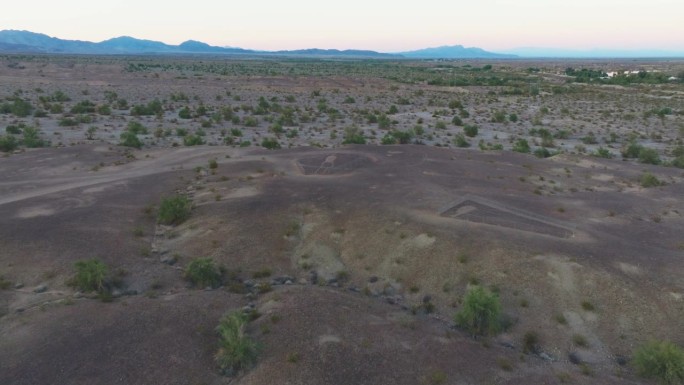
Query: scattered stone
[[18, 285], [78, 294], [574, 358], [249, 283], [168, 260], [282, 280], [546, 356], [116, 293], [19, 310], [303, 281], [313, 277], [40, 289], [373, 279], [427, 298], [354, 289]]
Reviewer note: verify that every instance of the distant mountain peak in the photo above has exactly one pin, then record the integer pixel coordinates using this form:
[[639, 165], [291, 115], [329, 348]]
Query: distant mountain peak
[[454, 52]]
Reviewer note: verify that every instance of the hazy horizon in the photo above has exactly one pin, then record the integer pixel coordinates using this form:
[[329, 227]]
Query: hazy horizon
[[494, 25]]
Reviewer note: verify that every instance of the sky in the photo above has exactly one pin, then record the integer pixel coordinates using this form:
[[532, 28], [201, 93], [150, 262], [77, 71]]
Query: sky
[[381, 25]]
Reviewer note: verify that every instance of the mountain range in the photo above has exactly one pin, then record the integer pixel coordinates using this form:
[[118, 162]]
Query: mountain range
[[13, 41]]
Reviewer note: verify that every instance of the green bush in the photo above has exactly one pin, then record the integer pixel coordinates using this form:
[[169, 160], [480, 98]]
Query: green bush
[[481, 312], [649, 180], [237, 351], [353, 135], [660, 360], [649, 156], [202, 272], [193, 140], [470, 130], [174, 210], [90, 275], [460, 141], [129, 139], [270, 143], [521, 146], [31, 139], [632, 150], [8, 143]]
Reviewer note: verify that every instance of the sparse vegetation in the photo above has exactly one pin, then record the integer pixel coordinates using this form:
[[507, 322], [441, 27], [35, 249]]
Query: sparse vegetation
[[660, 360], [237, 351], [174, 210], [202, 272], [90, 275], [480, 313]]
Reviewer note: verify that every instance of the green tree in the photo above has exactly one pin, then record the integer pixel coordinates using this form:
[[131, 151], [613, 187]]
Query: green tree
[[660, 360], [481, 312]]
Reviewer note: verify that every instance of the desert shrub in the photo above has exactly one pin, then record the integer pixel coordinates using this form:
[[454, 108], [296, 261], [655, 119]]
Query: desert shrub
[[90, 275], [649, 156], [250, 121], [14, 129], [384, 122], [68, 122], [202, 272], [353, 135], [237, 351], [388, 139], [31, 139], [678, 161], [481, 312], [129, 139], [521, 145], [470, 130], [603, 153], [8, 143], [632, 150], [457, 121], [193, 140], [185, 113], [499, 117], [270, 143], [136, 128], [660, 360], [649, 180], [174, 210], [542, 152], [460, 141], [83, 107], [152, 108]]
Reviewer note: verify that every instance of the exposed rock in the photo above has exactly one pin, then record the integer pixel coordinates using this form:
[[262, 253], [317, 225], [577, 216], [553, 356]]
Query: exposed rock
[[40, 289]]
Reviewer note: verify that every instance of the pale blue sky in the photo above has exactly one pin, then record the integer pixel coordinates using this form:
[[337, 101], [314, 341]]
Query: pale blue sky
[[365, 24]]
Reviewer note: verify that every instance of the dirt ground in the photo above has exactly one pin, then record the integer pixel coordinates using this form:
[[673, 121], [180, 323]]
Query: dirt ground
[[355, 257]]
